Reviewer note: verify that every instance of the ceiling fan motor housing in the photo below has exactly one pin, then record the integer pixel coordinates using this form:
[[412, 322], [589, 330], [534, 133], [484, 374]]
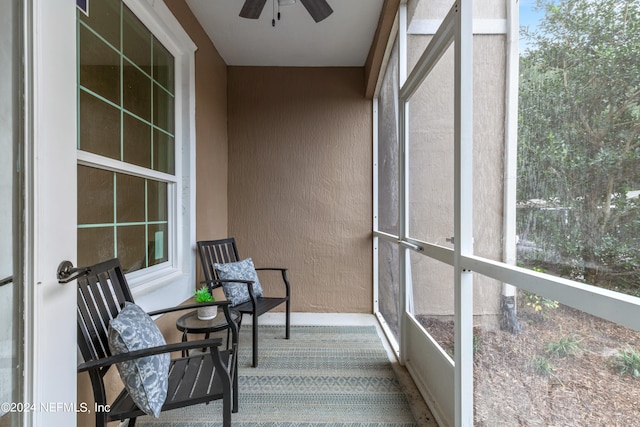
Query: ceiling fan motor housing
[[318, 9]]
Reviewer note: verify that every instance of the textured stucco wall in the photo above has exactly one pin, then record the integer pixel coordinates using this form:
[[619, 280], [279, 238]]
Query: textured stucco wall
[[300, 180], [438, 9], [432, 182]]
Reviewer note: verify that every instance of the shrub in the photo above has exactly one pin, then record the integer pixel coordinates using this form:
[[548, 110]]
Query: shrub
[[628, 362], [540, 305], [542, 366], [565, 346]]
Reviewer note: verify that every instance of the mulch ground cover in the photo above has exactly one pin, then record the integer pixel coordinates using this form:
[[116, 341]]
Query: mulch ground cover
[[526, 379]]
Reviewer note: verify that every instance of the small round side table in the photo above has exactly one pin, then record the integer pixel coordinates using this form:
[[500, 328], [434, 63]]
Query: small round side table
[[190, 324]]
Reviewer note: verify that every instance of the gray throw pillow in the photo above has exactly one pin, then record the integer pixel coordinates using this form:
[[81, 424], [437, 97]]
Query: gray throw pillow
[[146, 379], [237, 293]]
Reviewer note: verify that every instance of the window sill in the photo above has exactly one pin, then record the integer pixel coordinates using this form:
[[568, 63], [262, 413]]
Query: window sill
[[166, 287]]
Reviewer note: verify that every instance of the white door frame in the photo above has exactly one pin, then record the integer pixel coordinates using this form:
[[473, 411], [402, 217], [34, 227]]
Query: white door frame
[[51, 132], [51, 203]]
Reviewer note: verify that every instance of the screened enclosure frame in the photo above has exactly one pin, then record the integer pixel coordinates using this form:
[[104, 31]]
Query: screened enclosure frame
[[457, 30]]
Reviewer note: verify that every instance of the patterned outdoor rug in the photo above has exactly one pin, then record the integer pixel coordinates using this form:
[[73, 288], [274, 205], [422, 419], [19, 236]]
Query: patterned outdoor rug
[[323, 376]]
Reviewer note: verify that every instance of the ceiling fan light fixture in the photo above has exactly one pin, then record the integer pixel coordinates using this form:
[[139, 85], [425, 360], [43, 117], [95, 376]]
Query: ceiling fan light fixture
[[318, 9]]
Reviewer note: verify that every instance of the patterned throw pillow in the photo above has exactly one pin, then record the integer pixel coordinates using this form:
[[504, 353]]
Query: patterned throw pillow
[[238, 293], [146, 379]]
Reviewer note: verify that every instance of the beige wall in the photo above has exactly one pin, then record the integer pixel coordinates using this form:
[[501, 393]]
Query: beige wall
[[300, 180]]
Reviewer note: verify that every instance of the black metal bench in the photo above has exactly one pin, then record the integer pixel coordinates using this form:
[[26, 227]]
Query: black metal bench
[[225, 251], [200, 378]]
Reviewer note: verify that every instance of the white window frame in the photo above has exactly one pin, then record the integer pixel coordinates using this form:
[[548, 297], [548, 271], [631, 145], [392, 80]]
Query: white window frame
[[149, 285]]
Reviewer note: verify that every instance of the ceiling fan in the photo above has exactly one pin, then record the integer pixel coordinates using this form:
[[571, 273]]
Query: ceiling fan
[[318, 9]]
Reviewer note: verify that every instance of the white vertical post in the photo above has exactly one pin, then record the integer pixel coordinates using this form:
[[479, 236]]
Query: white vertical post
[[511, 140], [376, 254], [52, 121], [463, 213], [403, 179]]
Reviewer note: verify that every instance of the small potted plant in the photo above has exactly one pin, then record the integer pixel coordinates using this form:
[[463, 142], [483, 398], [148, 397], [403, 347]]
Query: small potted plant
[[203, 295]]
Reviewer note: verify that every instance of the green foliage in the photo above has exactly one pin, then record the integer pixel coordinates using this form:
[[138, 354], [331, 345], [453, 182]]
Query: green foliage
[[579, 141], [477, 347], [565, 346], [542, 366], [540, 305], [203, 295], [628, 362]]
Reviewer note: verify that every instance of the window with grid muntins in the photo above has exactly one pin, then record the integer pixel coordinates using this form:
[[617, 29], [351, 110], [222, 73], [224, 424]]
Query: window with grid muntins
[[126, 139]]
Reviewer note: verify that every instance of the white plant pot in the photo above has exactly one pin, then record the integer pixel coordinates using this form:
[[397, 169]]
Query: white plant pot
[[207, 313]]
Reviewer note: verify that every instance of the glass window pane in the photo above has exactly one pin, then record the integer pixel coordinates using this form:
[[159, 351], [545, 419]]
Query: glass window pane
[[132, 247], [136, 91], [163, 66], [12, 200], [104, 18], [431, 155], [388, 148], [95, 244], [157, 196], [97, 227], [99, 66], [136, 41], [99, 127], [131, 200], [432, 292], [389, 284], [163, 152], [126, 215], [158, 240], [578, 158], [96, 205], [163, 110], [488, 150], [136, 141], [565, 368]]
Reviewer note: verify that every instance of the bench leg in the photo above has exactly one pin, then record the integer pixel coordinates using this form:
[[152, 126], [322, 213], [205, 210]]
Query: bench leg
[[226, 410], [288, 321], [234, 409], [255, 340]]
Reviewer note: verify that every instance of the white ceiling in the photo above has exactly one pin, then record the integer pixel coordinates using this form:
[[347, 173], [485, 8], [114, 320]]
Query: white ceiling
[[341, 40]]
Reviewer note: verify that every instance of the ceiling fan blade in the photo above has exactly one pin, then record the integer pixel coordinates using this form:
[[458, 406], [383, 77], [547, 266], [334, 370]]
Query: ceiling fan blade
[[318, 9], [252, 8]]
